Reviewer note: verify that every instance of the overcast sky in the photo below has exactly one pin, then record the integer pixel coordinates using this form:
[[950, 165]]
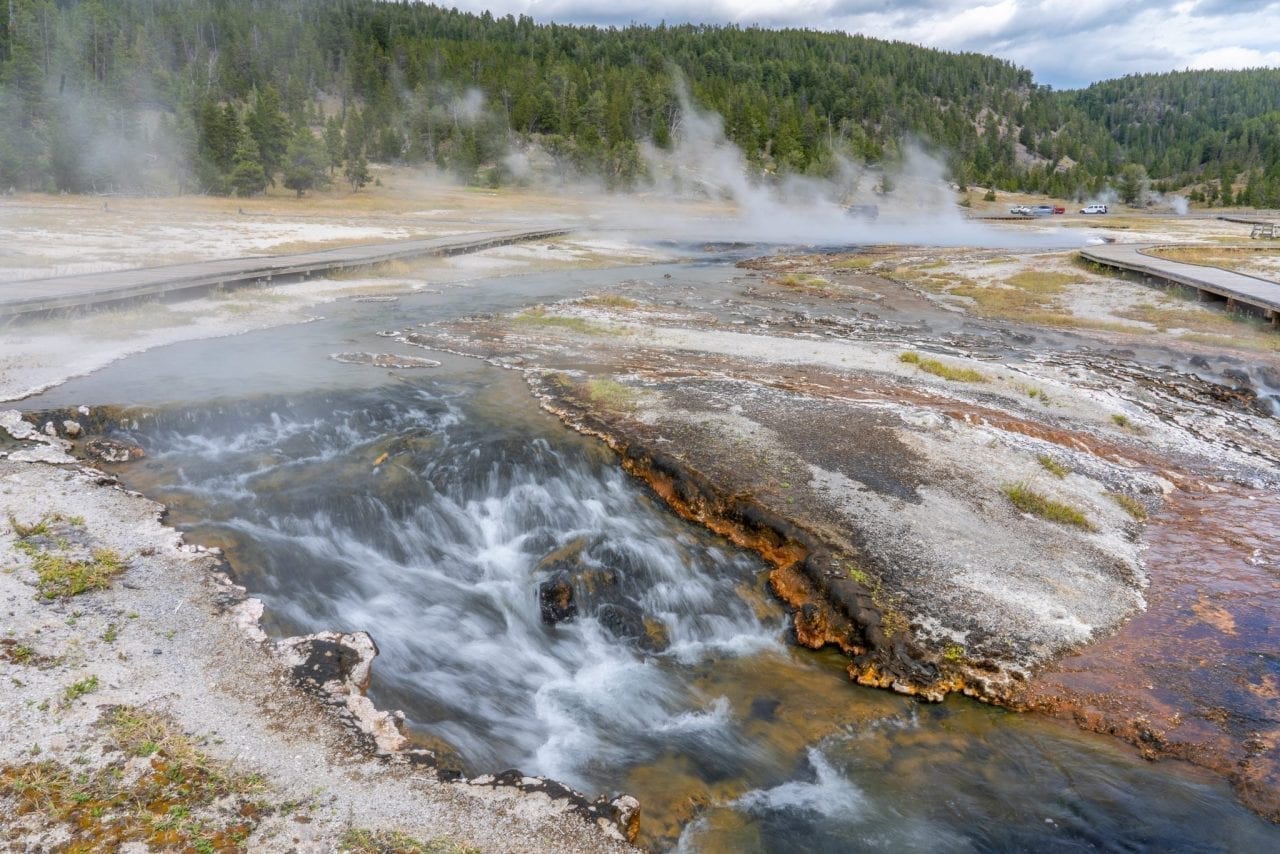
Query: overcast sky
[[1065, 43]]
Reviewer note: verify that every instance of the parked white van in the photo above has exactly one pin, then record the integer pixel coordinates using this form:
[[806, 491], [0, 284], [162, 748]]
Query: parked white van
[[1093, 209]]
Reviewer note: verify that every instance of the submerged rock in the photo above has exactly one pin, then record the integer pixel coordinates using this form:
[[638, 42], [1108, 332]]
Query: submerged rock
[[556, 601], [629, 623]]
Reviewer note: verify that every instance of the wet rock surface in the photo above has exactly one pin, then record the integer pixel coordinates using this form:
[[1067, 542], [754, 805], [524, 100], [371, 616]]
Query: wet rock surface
[[556, 600]]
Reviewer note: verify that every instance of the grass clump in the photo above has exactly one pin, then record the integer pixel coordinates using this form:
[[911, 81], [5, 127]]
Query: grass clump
[[609, 301], [538, 316], [61, 575], [76, 690], [181, 800], [18, 653], [1131, 505], [611, 393], [61, 569], [1046, 282], [358, 840], [1028, 500], [941, 369], [1052, 466], [953, 653], [801, 281]]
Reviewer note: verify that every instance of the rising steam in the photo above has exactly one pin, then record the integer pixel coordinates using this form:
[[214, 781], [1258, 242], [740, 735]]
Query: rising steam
[[913, 201]]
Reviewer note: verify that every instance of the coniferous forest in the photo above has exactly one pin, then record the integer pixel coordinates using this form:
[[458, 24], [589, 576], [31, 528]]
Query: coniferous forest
[[226, 96]]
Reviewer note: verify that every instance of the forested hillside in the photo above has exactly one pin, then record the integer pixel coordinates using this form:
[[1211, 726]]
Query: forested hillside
[[223, 96]]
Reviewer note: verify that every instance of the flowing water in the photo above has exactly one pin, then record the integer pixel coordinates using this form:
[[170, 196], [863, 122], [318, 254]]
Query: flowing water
[[430, 507]]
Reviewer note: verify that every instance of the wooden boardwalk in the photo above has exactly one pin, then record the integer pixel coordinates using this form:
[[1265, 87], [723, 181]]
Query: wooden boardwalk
[[1238, 289], [31, 296]]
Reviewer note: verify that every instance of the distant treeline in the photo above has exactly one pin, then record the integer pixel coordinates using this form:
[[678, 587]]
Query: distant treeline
[[224, 96]]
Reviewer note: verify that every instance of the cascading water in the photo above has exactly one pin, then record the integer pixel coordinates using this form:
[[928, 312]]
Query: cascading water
[[430, 512], [396, 513]]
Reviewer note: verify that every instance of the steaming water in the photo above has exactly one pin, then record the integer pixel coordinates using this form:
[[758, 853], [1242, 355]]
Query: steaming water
[[427, 509]]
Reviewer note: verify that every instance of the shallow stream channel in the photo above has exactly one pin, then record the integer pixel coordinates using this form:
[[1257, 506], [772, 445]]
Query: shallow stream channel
[[437, 508]]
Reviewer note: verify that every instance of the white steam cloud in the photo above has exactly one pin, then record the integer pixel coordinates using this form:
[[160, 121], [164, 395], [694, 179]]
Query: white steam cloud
[[913, 203]]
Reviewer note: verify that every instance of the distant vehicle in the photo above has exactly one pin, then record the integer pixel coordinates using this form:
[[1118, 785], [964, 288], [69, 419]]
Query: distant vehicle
[[1042, 210], [1020, 210], [1059, 209], [1093, 209]]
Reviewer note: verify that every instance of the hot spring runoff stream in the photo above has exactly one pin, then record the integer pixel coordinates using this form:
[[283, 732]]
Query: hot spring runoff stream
[[427, 506]]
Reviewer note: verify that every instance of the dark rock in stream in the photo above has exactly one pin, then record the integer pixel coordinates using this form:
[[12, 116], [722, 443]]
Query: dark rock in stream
[[556, 599], [628, 623], [112, 451]]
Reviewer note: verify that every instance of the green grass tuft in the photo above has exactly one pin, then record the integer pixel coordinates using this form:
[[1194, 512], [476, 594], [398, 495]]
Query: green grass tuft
[[76, 690], [940, 369], [611, 393], [1131, 505], [61, 575], [1028, 500], [538, 316], [1053, 466]]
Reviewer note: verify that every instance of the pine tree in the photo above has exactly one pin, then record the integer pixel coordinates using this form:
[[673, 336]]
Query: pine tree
[[356, 170], [333, 143], [306, 163], [248, 177], [269, 127]]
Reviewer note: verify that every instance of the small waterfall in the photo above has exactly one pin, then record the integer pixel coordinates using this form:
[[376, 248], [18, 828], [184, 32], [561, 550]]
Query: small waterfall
[[397, 513]]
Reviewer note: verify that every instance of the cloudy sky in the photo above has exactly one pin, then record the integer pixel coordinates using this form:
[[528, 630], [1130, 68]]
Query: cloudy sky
[[1065, 43]]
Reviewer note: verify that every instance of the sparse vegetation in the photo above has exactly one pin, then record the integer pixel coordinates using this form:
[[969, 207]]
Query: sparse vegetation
[[610, 393], [941, 369], [801, 280], [1228, 258], [609, 301], [1029, 501], [62, 575], [860, 576], [181, 800], [1046, 282], [953, 653], [78, 689], [1131, 505], [62, 569], [362, 841], [1053, 466], [1120, 420], [538, 316], [17, 653], [1032, 391]]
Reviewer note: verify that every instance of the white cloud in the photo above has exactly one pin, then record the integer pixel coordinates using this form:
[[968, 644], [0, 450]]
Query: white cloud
[[1064, 42]]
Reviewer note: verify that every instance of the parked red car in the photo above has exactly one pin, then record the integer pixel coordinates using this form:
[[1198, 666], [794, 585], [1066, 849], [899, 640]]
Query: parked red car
[[1059, 210]]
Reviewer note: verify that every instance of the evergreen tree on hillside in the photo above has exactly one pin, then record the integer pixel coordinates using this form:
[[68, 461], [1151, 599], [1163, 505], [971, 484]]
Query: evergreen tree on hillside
[[248, 176], [306, 163], [407, 74]]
